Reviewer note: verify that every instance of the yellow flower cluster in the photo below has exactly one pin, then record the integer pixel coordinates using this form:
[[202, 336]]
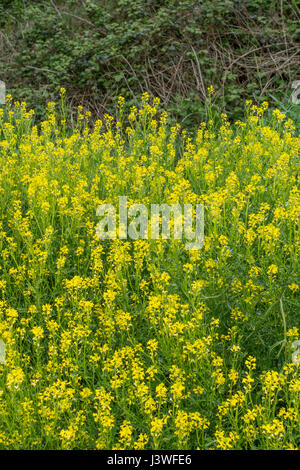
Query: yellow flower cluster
[[121, 344]]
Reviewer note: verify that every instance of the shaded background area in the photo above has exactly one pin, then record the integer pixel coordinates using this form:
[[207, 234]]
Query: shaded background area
[[101, 49]]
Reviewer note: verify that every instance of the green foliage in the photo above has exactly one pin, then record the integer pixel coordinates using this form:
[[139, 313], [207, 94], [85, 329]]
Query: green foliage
[[101, 49]]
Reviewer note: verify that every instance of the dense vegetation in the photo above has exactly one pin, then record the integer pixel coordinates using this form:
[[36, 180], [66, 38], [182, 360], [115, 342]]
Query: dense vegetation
[[121, 344], [101, 49], [146, 344]]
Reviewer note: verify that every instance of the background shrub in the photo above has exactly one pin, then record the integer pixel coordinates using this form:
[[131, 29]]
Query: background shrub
[[100, 49]]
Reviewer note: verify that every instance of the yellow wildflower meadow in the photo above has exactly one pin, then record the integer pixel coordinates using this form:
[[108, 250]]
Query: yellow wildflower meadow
[[144, 344]]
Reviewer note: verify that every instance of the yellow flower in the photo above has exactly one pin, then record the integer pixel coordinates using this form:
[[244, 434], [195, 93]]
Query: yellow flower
[[272, 269], [293, 287]]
